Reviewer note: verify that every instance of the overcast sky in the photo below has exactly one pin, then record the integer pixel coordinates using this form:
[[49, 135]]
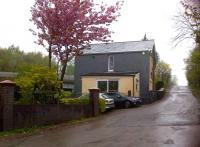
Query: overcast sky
[[153, 17]]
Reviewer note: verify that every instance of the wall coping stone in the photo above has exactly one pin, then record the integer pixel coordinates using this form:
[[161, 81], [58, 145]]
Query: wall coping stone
[[7, 82]]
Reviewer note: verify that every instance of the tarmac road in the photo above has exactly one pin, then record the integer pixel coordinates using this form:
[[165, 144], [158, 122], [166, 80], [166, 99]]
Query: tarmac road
[[170, 122]]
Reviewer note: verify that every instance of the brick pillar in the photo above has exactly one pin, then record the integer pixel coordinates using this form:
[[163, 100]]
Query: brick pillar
[[6, 105], [94, 97]]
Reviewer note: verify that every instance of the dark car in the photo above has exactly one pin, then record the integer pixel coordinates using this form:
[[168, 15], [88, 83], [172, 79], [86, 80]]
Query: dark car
[[124, 101]]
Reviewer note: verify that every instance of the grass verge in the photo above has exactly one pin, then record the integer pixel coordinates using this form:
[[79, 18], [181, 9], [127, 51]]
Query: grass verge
[[37, 129], [25, 131]]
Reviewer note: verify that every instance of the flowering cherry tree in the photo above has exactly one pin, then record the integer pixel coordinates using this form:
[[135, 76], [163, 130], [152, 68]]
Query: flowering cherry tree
[[66, 27]]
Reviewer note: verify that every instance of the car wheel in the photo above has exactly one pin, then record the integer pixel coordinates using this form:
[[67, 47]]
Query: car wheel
[[127, 104]]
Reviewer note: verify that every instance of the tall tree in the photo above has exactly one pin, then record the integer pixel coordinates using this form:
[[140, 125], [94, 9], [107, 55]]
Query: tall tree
[[163, 73], [193, 68], [66, 27], [188, 21], [192, 12], [191, 22]]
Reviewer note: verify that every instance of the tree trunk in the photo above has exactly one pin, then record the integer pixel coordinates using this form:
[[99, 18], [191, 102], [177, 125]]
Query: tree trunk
[[57, 70], [50, 56], [62, 74]]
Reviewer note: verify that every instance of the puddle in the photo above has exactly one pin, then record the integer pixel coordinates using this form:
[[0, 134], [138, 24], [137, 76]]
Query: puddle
[[169, 141], [175, 120]]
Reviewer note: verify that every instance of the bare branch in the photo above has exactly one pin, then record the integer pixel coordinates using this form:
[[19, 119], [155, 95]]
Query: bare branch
[[184, 28]]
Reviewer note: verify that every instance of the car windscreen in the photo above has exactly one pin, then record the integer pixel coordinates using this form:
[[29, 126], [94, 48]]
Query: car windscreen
[[116, 94], [122, 94], [105, 96]]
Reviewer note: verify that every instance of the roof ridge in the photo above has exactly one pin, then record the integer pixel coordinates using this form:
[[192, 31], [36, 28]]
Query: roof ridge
[[114, 47], [122, 42]]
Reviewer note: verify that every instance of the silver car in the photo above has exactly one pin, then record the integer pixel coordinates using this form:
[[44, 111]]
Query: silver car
[[110, 104]]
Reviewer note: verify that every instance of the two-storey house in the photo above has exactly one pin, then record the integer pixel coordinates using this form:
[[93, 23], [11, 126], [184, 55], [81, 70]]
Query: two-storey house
[[125, 67]]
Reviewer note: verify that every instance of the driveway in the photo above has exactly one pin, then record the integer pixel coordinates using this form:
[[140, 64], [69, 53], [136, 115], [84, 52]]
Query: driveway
[[170, 122]]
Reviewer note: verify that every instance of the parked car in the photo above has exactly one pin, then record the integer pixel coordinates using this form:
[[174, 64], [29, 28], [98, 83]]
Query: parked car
[[124, 101], [110, 104]]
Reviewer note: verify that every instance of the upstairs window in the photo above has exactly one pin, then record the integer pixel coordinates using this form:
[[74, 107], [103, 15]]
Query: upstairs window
[[111, 63]]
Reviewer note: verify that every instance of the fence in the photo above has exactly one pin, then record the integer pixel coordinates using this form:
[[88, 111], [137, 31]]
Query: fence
[[153, 96], [30, 115], [37, 96], [19, 116]]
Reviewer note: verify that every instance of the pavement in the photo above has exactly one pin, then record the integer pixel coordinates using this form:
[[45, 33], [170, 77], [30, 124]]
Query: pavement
[[171, 122]]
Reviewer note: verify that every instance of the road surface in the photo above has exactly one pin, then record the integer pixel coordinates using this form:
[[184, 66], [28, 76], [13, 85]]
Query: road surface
[[170, 122]]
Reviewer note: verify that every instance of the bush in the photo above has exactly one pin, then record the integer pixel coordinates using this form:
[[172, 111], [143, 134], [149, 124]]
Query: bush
[[65, 94], [193, 71], [25, 101], [40, 84], [85, 101], [81, 100], [159, 85], [102, 105], [193, 68]]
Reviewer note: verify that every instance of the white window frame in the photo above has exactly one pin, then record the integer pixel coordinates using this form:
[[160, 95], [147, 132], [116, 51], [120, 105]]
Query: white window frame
[[107, 80], [109, 64], [102, 80]]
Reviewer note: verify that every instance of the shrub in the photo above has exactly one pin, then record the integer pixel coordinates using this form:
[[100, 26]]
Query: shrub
[[85, 101], [25, 101], [39, 83], [159, 85], [81, 100], [65, 94], [102, 105]]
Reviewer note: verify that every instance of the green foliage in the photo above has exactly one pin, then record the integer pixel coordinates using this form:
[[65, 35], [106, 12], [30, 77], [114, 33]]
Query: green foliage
[[196, 92], [190, 27], [163, 73], [159, 85], [12, 59], [102, 105], [65, 94], [193, 70], [81, 100], [25, 100], [26, 131], [85, 101], [39, 83]]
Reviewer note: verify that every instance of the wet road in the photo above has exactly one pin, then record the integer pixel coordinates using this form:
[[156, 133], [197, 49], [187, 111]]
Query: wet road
[[170, 122]]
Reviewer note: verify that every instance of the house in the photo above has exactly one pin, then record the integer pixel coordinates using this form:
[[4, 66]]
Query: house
[[68, 83], [126, 67]]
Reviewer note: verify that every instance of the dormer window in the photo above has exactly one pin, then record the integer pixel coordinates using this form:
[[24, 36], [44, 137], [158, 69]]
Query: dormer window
[[111, 63]]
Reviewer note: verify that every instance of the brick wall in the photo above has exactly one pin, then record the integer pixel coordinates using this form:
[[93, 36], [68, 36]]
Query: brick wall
[[19, 116]]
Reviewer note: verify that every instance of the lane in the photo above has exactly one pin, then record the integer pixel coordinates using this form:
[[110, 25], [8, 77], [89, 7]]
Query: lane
[[172, 121]]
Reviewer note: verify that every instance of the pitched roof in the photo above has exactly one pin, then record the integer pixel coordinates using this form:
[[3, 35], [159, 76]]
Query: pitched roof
[[117, 47]]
